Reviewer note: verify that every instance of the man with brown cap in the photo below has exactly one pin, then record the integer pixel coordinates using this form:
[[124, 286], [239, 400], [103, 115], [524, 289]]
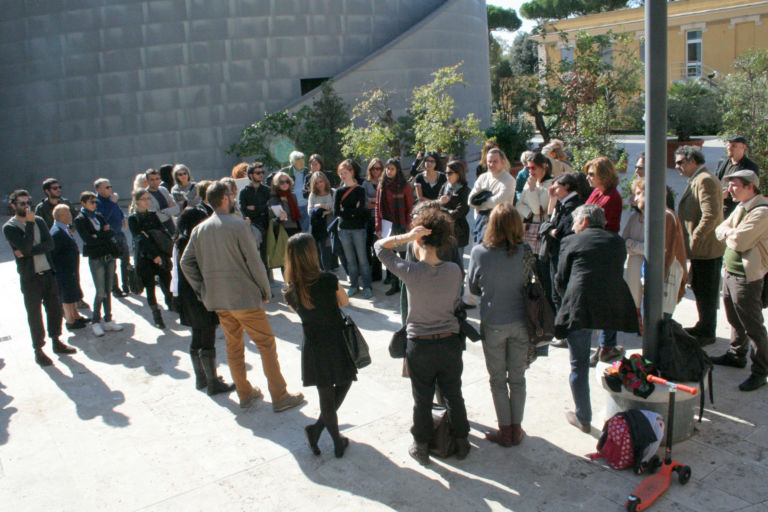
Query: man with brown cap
[[737, 160], [745, 233]]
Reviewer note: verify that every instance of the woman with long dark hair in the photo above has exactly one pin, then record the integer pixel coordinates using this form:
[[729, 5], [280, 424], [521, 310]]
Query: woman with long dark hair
[[454, 201], [325, 361], [394, 203], [429, 182], [496, 274], [149, 259], [192, 313]]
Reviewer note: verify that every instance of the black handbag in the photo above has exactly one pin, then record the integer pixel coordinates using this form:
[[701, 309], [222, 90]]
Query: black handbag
[[356, 345], [539, 316], [162, 241], [134, 282], [397, 343], [481, 197], [442, 444]]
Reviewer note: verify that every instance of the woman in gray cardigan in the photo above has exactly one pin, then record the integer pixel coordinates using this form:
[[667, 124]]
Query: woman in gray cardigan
[[496, 275]]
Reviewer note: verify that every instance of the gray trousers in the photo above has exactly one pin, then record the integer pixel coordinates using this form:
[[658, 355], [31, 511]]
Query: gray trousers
[[506, 352], [744, 311]]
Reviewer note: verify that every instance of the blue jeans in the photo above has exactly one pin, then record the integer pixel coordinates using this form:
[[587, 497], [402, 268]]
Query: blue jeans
[[579, 343], [353, 243], [607, 338]]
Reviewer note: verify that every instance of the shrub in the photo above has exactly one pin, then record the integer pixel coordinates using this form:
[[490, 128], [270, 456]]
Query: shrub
[[512, 137], [692, 109]]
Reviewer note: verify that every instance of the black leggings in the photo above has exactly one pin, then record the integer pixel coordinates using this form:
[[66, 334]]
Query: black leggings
[[331, 398], [147, 270], [203, 338]]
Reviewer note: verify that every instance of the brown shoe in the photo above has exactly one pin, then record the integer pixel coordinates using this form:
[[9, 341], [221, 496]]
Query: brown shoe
[[292, 400], [502, 437], [251, 399], [517, 434], [611, 354]]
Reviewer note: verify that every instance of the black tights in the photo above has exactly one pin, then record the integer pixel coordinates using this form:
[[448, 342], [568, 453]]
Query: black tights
[[331, 398], [203, 338]]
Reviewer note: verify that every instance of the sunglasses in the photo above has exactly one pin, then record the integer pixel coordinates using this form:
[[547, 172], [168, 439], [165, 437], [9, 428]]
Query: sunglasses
[[260, 173], [530, 167], [107, 186], [22, 203], [448, 173], [430, 160], [183, 173], [376, 168], [55, 187], [284, 182]]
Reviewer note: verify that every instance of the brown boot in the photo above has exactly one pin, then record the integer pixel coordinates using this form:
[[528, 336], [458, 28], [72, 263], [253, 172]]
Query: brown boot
[[503, 436], [517, 434]]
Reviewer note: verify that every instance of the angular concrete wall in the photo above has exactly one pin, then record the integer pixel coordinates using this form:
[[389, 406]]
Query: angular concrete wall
[[93, 88]]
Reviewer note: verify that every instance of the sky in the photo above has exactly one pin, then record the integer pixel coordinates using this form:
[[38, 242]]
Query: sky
[[528, 25]]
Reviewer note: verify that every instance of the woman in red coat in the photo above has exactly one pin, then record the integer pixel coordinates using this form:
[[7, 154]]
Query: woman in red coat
[[394, 203]]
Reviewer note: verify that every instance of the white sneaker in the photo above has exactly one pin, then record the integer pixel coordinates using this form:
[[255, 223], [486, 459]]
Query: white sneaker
[[112, 326], [97, 329]]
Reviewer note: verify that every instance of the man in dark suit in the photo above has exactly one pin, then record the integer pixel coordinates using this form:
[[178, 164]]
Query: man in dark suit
[[595, 296], [66, 263], [737, 161], [53, 196], [32, 244]]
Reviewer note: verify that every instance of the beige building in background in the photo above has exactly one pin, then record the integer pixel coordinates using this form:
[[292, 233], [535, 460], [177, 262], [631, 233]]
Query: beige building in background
[[703, 37]]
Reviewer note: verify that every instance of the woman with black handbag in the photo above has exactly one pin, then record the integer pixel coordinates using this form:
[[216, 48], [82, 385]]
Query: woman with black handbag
[[325, 359], [495, 273], [150, 255], [100, 247], [434, 347]]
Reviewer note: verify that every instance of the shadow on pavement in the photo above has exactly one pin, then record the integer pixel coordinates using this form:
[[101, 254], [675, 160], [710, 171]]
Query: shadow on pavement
[[5, 411], [91, 396]]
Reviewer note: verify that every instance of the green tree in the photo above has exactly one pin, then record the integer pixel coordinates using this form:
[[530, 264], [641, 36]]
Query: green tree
[[434, 125], [559, 9], [593, 137], [499, 18], [372, 131], [692, 109], [745, 106], [315, 129], [524, 56]]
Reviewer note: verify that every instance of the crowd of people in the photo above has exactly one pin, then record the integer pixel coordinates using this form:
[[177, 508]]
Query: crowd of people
[[211, 247]]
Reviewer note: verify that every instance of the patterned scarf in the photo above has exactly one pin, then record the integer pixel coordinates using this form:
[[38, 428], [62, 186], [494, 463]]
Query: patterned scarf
[[293, 205]]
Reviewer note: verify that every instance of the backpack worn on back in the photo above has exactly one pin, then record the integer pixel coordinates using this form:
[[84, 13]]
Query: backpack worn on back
[[681, 359]]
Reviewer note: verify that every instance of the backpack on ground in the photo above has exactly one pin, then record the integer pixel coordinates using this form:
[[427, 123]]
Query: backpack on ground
[[681, 359], [630, 439]]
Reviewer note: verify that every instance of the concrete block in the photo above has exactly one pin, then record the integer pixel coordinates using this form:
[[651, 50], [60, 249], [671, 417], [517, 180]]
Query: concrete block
[[206, 30], [255, 27], [283, 47], [12, 30], [118, 104], [364, 7], [46, 24], [122, 15], [324, 65], [252, 8], [158, 100], [247, 49], [203, 74], [117, 38], [81, 108], [323, 45], [242, 92], [157, 143], [82, 64], [11, 96], [48, 69], [163, 78], [289, 26], [294, 7], [164, 55], [79, 19], [122, 60], [352, 44], [74, 130], [201, 116], [13, 75], [10, 52], [358, 24], [239, 113], [116, 147], [285, 68], [43, 47], [165, 10], [14, 9], [197, 138], [122, 81], [205, 9], [153, 122], [190, 97], [165, 33], [81, 42], [242, 71], [283, 89], [323, 24], [116, 126], [74, 87], [209, 51]]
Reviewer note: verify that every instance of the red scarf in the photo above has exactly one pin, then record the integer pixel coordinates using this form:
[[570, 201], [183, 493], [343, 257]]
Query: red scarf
[[294, 206]]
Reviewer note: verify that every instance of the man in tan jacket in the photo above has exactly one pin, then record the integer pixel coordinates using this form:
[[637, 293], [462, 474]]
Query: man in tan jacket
[[223, 266], [745, 233], [701, 211]]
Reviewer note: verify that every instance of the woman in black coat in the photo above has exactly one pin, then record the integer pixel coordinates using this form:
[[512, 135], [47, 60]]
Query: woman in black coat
[[192, 313], [453, 201], [149, 258]]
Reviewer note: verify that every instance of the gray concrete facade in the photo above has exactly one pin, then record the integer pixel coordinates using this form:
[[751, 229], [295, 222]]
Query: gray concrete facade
[[93, 88]]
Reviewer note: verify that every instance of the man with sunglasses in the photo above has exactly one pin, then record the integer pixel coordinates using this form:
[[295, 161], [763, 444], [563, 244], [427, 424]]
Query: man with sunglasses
[[32, 245], [254, 204], [701, 211], [53, 192], [107, 206]]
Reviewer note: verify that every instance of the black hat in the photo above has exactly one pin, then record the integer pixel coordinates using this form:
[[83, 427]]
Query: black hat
[[738, 138]]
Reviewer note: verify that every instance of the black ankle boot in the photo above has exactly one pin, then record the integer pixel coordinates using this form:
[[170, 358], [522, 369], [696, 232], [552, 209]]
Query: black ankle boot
[[339, 446], [394, 288], [197, 365], [157, 317], [214, 383]]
